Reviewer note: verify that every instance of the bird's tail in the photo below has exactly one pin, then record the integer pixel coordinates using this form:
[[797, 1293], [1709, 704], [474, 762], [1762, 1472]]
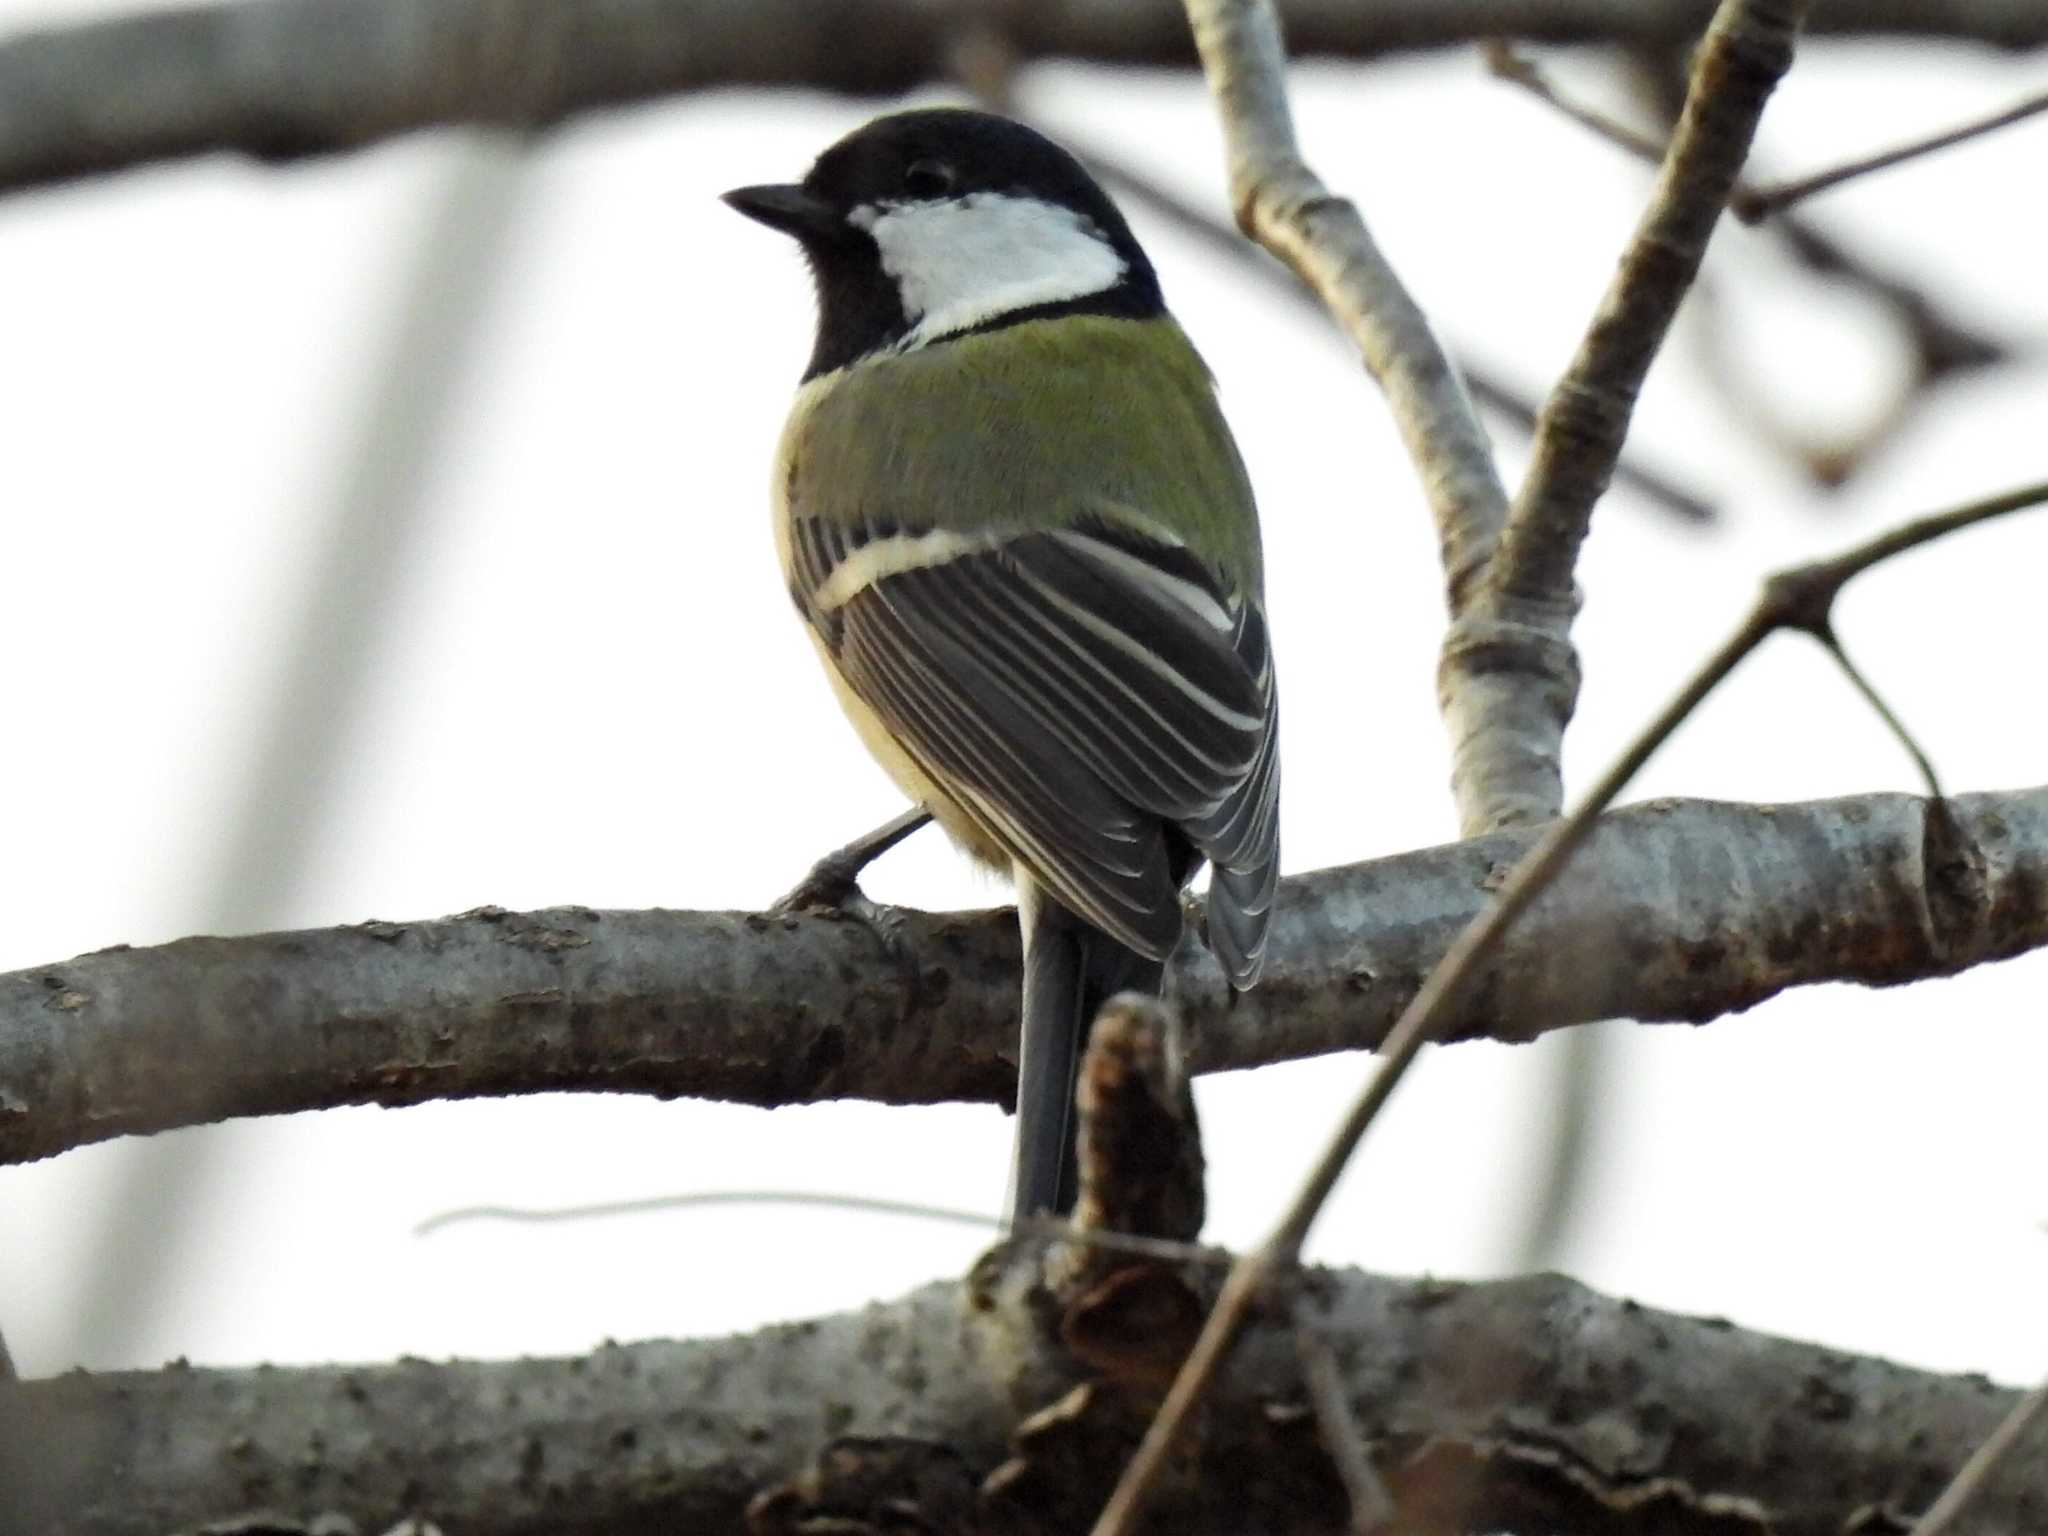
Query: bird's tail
[[1070, 970]]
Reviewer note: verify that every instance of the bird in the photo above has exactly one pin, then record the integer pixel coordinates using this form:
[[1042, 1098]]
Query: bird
[[1016, 525]]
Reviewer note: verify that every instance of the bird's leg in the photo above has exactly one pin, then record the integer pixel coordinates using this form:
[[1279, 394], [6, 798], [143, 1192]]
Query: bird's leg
[[834, 881]]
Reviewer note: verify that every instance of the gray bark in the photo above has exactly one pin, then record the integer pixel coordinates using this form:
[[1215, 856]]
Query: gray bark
[[1509, 673], [280, 79], [1676, 910], [1529, 1404]]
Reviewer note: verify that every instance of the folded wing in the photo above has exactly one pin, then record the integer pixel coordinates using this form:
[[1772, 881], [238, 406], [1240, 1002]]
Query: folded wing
[[1095, 696]]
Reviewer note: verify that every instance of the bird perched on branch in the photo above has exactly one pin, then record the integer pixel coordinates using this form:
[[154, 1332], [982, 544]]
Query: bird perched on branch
[[1018, 529]]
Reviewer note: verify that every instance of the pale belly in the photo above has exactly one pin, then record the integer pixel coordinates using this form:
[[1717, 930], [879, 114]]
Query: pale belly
[[881, 745], [909, 777]]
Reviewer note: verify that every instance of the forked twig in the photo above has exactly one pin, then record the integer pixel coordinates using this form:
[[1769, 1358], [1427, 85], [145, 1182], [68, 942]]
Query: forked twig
[[1504, 695], [1753, 205], [1801, 598]]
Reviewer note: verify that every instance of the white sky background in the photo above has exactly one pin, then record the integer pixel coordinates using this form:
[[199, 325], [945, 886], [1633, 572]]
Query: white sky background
[[591, 690]]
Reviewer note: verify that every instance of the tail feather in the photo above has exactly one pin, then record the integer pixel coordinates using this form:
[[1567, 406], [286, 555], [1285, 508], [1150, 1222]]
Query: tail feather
[[1070, 970]]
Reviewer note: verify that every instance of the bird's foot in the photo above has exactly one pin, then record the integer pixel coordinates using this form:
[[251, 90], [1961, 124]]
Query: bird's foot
[[833, 883]]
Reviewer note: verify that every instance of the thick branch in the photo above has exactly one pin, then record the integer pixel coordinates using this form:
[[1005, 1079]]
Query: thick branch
[[279, 79], [1474, 1401], [1676, 910]]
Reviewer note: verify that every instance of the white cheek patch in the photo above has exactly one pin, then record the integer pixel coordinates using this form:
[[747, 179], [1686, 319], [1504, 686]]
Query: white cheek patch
[[959, 263]]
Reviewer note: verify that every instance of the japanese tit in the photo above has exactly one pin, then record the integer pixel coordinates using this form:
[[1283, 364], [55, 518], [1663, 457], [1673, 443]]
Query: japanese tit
[[1015, 523]]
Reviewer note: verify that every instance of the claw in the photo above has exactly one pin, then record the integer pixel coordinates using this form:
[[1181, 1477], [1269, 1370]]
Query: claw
[[833, 883]]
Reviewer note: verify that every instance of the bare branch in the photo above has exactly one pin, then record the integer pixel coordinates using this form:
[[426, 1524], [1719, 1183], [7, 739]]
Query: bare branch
[[1473, 1396], [281, 79], [1801, 598], [1489, 392], [1738, 64], [1754, 205], [1282, 204], [796, 1009], [1942, 346], [1504, 400], [1508, 677]]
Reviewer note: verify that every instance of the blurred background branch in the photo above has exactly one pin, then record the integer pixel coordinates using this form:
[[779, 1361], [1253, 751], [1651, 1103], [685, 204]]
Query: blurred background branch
[[282, 79], [1489, 390], [1941, 347], [318, 693]]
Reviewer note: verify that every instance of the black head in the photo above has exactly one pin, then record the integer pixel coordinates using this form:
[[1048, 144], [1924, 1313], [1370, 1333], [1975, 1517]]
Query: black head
[[933, 224]]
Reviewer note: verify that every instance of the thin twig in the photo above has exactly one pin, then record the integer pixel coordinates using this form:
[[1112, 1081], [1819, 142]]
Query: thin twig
[[1942, 346], [1885, 713], [1753, 205], [1970, 1481], [1046, 1228], [1800, 598], [651, 1205], [1371, 1505], [1490, 393], [1505, 62]]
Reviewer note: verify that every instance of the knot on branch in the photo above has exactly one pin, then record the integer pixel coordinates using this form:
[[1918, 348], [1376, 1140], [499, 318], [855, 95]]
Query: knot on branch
[[1535, 651], [1130, 1316], [1140, 1147], [1278, 196], [1085, 1334]]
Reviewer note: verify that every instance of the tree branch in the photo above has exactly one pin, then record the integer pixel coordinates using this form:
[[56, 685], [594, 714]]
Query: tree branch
[[1799, 598], [281, 79], [1677, 910], [1472, 1398], [1753, 205], [1283, 205], [1579, 435], [1487, 390], [1943, 348]]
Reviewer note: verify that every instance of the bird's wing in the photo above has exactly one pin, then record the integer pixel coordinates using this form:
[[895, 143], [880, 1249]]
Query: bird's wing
[[1081, 691]]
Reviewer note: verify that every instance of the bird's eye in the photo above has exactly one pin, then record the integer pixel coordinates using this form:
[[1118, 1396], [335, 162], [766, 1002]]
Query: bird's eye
[[928, 178]]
